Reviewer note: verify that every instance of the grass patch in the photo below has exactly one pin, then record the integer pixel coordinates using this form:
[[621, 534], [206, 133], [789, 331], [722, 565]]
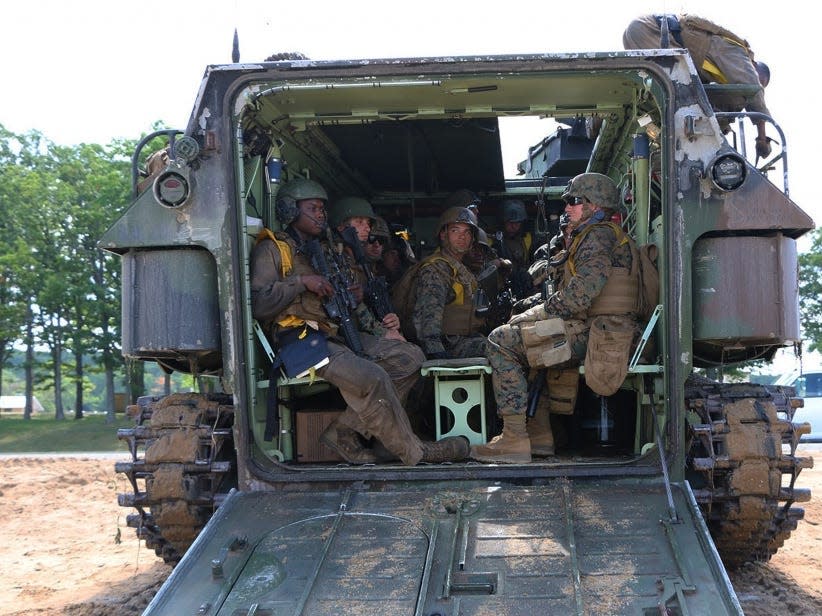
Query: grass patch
[[46, 435]]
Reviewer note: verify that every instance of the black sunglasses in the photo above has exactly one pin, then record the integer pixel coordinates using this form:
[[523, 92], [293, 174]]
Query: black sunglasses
[[576, 200], [374, 239]]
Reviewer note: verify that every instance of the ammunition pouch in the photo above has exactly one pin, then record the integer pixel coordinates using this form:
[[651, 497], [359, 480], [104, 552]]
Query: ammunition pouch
[[606, 359], [562, 384], [545, 342]]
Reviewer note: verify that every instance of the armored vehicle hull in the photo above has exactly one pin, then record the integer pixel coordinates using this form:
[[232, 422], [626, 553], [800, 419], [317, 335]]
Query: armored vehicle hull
[[652, 491]]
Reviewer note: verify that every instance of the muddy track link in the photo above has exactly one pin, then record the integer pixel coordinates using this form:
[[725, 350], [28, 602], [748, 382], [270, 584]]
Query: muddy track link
[[742, 465], [182, 466]]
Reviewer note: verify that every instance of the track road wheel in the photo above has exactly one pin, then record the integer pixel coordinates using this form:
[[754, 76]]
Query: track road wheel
[[183, 464], [742, 465]]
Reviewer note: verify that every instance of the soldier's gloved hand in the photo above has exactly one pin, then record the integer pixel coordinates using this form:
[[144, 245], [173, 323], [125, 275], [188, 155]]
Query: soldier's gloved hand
[[537, 313], [542, 253], [763, 147], [539, 271], [437, 355], [521, 305]]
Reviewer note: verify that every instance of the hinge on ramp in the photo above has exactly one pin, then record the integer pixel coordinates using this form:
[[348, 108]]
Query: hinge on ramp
[[457, 580], [673, 588]]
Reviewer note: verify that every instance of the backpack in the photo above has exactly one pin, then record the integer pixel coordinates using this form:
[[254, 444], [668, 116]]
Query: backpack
[[403, 297]]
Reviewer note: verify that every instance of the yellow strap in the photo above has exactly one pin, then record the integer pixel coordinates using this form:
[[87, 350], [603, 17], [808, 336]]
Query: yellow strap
[[283, 247], [287, 265], [713, 70], [291, 321], [459, 290], [617, 231]]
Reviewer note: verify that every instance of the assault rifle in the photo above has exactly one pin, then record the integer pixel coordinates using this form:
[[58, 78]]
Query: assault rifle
[[375, 294], [342, 303], [519, 282]]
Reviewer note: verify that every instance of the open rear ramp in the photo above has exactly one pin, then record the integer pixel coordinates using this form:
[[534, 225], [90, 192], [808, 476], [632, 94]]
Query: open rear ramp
[[572, 546]]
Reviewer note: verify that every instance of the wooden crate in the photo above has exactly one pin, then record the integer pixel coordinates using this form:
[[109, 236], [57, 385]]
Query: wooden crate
[[310, 424]]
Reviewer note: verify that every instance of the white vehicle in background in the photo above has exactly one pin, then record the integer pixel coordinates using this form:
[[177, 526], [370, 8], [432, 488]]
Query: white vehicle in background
[[808, 386]]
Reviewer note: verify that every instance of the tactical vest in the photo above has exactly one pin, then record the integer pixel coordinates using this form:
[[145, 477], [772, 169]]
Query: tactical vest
[[306, 306], [524, 241], [620, 295], [458, 317]]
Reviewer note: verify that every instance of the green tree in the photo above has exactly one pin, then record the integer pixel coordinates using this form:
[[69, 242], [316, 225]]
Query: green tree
[[810, 292], [59, 290], [15, 255], [99, 180], [23, 187]]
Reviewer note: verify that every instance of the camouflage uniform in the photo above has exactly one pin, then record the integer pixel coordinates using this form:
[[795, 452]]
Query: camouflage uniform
[[516, 249], [594, 258], [597, 284], [373, 390], [514, 243], [483, 259], [434, 292]]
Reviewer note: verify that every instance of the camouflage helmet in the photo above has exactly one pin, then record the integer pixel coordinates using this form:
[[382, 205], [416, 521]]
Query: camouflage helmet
[[513, 210], [461, 198], [482, 237], [349, 207], [597, 188], [379, 227], [458, 214], [292, 192]]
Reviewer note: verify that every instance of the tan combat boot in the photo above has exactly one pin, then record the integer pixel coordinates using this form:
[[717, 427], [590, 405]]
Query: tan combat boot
[[540, 434], [345, 442], [510, 447]]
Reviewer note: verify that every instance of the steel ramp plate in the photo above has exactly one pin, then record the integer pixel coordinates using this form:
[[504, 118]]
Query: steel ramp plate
[[576, 546]]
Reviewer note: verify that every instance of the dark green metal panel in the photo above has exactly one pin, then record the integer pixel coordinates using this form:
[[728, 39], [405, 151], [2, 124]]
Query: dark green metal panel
[[580, 546], [744, 289], [170, 303]]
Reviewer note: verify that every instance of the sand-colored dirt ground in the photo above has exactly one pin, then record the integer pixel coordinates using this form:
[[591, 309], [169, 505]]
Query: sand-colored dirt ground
[[65, 547]]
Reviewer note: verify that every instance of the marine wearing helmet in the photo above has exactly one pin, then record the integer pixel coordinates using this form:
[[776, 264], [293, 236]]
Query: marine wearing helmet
[[593, 191], [513, 210], [299, 189], [354, 212], [457, 215]]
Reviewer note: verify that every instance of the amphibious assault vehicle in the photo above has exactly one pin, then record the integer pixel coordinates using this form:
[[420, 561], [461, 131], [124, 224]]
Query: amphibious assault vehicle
[[653, 492]]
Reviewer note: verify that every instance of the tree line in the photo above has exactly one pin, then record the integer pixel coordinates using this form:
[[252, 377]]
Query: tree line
[[60, 292]]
